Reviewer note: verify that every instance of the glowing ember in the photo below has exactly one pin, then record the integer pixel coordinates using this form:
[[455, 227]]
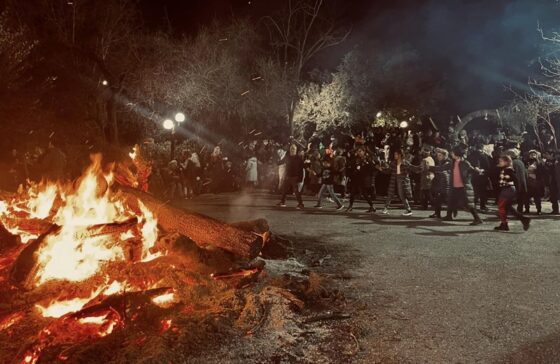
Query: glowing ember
[[165, 325], [10, 320], [61, 308], [165, 300]]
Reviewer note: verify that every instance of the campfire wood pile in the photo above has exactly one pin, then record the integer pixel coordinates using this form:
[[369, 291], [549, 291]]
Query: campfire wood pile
[[83, 261]]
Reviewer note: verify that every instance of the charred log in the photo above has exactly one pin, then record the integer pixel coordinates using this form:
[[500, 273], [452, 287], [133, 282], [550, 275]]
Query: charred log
[[202, 230]]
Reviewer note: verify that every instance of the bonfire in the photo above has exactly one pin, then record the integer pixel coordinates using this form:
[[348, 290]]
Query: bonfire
[[82, 261]]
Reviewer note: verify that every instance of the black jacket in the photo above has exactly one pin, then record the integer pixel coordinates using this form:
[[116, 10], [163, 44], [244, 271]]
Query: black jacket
[[294, 167]]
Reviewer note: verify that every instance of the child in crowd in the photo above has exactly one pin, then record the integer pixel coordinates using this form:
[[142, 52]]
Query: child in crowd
[[506, 184]]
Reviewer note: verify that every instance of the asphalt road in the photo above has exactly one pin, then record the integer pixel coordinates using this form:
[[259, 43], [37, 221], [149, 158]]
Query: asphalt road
[[426, 291]]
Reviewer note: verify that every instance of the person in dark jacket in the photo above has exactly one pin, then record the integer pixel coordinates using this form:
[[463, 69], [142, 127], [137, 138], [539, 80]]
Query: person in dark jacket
[[536, 177], [327, 183], [461, 193], [552, 165], [521, 176], [360, 172], [399, 182], [440, 184], [479, 159], [506, 184], [294, 176]]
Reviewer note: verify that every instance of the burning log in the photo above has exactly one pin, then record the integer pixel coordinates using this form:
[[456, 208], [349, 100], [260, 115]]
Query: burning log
[[7, 239], [115, 228], [30, 226], [25, 265], [202, 230]]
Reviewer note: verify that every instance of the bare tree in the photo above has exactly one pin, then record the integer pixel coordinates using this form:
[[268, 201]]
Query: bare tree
[[16, 46], [91, 43], [299, 34]]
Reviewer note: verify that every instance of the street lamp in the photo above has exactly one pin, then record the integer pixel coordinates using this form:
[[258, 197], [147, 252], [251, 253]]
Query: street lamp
[[180, 117], [404, 124], [168, 124], [379, 114]]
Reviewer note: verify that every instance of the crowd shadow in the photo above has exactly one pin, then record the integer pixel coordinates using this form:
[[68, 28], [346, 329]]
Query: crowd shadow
[[543, 350]]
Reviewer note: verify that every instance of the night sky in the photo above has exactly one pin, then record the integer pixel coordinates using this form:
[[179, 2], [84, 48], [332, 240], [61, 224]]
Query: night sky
[[477, 46]]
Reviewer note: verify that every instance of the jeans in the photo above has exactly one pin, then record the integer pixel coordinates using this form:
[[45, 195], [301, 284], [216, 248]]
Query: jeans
[[330, 190]]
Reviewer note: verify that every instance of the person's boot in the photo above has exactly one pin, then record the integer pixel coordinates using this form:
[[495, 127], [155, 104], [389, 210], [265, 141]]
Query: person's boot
[[435, 216], [349, 209], [526, 223], [371, 210], [476, 222], [447, 218], [502, 227]]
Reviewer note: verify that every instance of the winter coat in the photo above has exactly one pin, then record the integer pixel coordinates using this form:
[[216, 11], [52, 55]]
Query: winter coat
[[467, 172], [405, 169], [520, 174], [361, 173], [251, 170], [553, 173], [314, 174], [535, 186], [426, 177], [442, 180], [339, 167], [294, 167]]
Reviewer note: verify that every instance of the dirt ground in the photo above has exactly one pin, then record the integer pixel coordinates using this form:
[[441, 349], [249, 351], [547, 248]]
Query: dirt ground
[[408, 289]]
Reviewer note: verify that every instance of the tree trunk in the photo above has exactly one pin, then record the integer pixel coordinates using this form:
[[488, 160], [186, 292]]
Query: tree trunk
[[112, 125]]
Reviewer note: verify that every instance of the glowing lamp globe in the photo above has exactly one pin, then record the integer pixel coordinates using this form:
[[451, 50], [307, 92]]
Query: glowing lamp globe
[[180, 117], [168, 124], [404, 124]]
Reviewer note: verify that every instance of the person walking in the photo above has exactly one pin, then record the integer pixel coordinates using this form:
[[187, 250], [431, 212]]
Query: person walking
[[506, 184], [440, 183], [327, 184], [479, 159], [426, 178], [399, 183], [294, 175], [251, 172], [552, 165], [360, 172], [521, 176], [536, 177], [461, 194]]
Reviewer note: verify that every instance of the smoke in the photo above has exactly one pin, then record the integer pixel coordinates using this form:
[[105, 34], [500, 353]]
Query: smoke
[[477, 46]]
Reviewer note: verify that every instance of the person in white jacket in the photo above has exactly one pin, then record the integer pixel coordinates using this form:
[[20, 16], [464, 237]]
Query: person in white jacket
[[251, 172]]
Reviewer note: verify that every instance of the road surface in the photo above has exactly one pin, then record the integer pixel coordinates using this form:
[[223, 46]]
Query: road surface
[[426, 291]]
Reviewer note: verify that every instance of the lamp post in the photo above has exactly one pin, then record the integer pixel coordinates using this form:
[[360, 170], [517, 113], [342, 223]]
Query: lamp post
[[169, 124]]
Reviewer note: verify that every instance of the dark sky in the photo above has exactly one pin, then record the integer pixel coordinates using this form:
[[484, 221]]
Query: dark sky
[[477, 45]]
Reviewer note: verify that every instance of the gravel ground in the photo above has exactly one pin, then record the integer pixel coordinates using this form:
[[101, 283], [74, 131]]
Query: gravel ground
[[424, 291]]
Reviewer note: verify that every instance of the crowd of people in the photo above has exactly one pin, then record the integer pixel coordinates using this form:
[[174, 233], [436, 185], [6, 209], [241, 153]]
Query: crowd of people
[[443, 173], [423, 168]]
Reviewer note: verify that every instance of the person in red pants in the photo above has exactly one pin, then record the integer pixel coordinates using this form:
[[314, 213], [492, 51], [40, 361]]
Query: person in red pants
[[507, 195]]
